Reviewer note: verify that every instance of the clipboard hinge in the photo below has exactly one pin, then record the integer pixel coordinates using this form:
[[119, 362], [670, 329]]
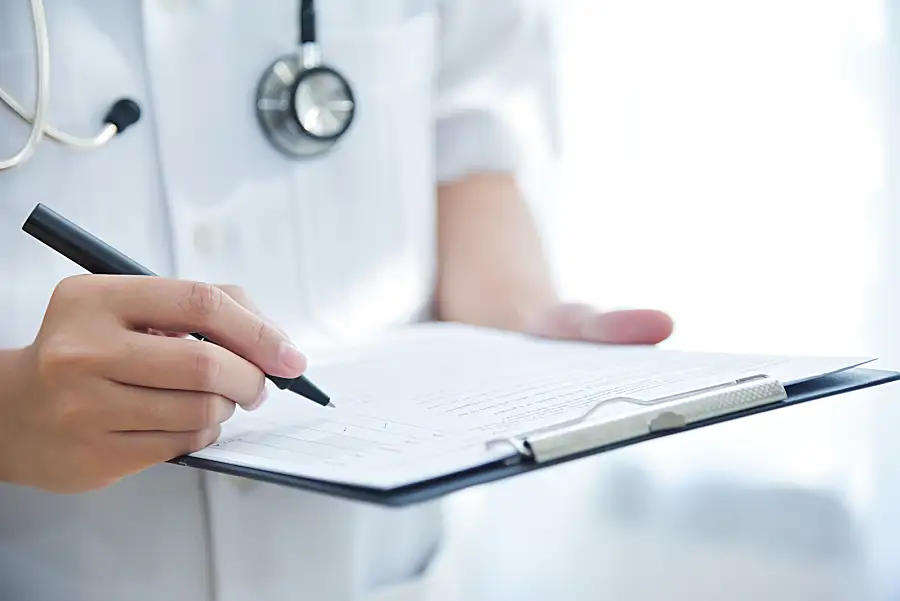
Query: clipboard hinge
[[663, 414]]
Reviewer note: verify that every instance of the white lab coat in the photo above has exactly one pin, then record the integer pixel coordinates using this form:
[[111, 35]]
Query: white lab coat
[[330, 248]]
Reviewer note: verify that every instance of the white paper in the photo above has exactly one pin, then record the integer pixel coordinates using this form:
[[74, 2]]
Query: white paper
[[423, 401]]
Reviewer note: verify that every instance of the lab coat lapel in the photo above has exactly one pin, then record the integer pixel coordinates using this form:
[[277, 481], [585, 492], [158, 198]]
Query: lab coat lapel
[[231, 200]]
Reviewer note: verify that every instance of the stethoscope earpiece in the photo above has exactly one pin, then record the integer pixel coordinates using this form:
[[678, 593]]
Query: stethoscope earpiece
[[123, 114], [303, 106]]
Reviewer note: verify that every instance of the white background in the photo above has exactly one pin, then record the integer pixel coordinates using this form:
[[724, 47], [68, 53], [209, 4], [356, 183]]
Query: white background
[[729, 162]]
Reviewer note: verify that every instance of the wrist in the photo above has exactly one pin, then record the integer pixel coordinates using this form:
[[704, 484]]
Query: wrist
[[13, 386]]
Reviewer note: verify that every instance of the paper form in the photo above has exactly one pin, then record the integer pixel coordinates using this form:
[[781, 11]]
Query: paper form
[[423, 401]]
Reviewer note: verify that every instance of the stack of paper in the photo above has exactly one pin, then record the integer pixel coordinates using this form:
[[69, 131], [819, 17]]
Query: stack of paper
[[424, 401]]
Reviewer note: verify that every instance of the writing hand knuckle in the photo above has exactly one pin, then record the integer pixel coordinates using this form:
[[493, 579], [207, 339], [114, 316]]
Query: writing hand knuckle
[[262, 332], [206, 367], [59, 354], [72, 286], [204, 300], [74, 290]]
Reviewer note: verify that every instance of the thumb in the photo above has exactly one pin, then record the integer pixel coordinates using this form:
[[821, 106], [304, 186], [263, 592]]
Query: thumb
[[575, 321], [635, 326]]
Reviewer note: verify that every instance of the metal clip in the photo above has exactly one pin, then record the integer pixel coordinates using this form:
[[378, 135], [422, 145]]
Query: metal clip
[[663, 414]]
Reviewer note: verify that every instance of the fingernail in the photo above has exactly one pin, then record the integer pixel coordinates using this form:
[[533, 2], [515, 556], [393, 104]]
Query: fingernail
[[291, 358], [262, 397]]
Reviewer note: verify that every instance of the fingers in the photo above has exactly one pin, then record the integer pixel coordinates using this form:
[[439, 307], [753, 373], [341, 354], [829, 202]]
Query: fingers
[[144, 449], [582, 322], [241, 297], [183, 306], [563, 322], [151, 409], [184, 364], [638, 326]]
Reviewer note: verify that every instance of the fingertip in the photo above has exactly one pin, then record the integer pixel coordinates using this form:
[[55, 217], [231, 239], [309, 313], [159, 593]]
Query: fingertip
[[657, 325], [259, 401], [632, 326], [292, 363]]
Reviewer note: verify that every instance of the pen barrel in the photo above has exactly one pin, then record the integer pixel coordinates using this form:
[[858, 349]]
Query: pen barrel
[[281, 383], [97, 257], [79, 246]]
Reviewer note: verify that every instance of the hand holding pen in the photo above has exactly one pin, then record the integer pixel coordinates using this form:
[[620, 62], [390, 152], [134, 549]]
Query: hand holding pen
[[101, 398]]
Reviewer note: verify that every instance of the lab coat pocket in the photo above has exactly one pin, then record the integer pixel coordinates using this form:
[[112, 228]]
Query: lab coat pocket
[[365, 212]]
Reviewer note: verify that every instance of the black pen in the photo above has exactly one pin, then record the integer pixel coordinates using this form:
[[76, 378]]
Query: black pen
[[97, 257]]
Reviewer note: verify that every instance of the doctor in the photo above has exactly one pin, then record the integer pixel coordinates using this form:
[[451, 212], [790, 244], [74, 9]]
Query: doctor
[[332, 201]]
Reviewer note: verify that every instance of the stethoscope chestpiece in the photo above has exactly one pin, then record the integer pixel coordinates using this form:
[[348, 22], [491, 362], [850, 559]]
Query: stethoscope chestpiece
[[303, 106]]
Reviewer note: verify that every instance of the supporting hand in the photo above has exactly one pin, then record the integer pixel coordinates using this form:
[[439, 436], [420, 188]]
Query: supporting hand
[[573, 321]]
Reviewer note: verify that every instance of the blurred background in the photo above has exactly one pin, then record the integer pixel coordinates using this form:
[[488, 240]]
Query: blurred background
[[732, 163]]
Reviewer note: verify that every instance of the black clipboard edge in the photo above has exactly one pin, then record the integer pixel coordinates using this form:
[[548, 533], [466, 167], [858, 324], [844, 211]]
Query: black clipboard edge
[[429, 490]]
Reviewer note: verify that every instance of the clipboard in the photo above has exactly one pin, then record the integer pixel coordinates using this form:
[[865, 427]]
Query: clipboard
[[581, 438], [563, 442]]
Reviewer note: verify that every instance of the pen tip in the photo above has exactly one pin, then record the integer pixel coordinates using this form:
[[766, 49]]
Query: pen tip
[[304, 387], [330, 404]]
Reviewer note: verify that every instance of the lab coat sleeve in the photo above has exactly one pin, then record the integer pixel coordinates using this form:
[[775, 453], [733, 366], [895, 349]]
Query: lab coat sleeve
[[496, 93]]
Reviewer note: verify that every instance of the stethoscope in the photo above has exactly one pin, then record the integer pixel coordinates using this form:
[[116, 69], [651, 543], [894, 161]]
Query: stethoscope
[[302, 105]]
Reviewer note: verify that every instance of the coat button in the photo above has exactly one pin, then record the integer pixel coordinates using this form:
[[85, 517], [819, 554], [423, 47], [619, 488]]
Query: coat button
[[216, 239], [207, 239]]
